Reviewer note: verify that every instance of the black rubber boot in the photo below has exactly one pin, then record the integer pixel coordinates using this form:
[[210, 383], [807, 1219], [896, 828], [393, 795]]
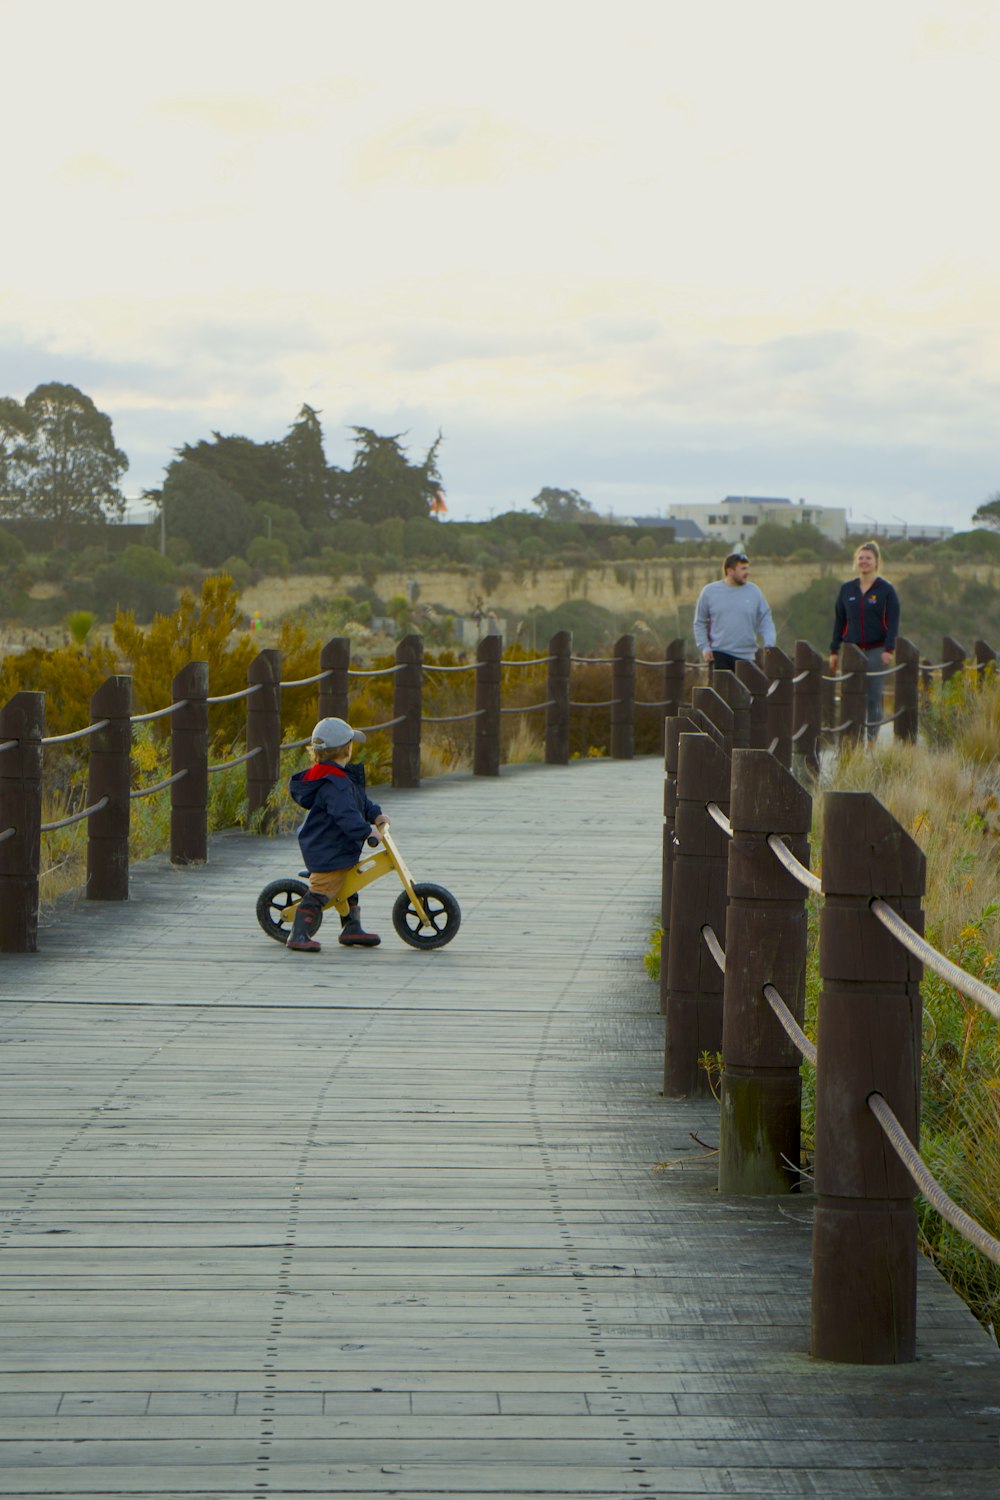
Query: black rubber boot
[[305, 921], [352, 934]]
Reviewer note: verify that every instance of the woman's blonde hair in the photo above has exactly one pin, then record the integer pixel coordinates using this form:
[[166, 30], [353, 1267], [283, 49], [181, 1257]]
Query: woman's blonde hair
[[869, 547]]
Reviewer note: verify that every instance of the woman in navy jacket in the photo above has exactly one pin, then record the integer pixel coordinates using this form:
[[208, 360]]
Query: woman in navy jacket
[[867, 616]]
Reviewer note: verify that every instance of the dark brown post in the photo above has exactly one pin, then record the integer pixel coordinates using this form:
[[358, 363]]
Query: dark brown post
[[673, 729], [864, 1226], [984, 654], [853, 700], [698, 896], [907, 692], [557, 713], [756, 684], [334, 691], [623, 696], [110, 775], [189, 753], [263, 728], [766, 940], [953, 656], [673, 677], [21, 719], [780, 672], [407, 701], [486, 761], [807, 705], [733, 693], [721, 719]]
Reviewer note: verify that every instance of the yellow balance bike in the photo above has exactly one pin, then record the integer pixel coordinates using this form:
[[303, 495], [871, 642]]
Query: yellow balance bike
[[425, 916]]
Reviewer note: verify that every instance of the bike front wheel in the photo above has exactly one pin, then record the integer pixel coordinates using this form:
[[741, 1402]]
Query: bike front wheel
[[274, 901], [443, 913]]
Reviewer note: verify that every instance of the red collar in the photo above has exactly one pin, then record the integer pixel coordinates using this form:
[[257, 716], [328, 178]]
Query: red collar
[[320, 769]]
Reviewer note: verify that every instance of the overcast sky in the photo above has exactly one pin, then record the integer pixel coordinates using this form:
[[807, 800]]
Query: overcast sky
[[652, 251]]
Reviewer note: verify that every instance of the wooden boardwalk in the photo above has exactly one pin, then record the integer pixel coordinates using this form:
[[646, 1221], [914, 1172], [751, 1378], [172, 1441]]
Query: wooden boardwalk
[[396, 1224]]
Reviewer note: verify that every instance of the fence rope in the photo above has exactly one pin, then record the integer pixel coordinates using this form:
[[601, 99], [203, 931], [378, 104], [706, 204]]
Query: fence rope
[[454, 718], [529, 708], [605, 703], [538, 662], [802, 729], [660, 703], [246, 692], [308, 681], [887, 671], [836, 728], [78, 734], [383, 671], [147, 791], [795, 867], [595, 661], [718, 816], [790, 1025], [374, 728], [971, 988], [8, 833], [160, 713], [227, 765], [714, 946], [838, 676], [801, 676], [9, 745], [88, 812], [472, 666], [925, 1180]]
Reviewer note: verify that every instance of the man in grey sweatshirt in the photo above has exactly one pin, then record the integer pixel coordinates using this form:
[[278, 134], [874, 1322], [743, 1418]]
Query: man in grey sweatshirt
[[730, 615]]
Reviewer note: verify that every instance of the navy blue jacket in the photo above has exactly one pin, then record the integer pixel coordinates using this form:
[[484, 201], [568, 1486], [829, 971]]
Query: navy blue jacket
[[339, 815], [872, 620]]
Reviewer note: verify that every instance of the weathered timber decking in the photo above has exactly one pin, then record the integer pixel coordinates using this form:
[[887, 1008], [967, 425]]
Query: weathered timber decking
[[390, 1223]]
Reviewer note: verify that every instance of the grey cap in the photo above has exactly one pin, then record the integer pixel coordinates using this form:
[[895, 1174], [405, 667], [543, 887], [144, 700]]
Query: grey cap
[[330, 734]]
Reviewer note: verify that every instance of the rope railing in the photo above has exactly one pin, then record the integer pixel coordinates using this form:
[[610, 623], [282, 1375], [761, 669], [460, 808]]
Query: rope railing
[[374, 728], [378, 671], [472, 666], [309, 681], [538, 661], [795, 867], [476, 713], [8, 833], [161, 786], [77, 734], [529, 708], [718, 816], [604, 703], [9, 745], [886, 671], [241, 760], [593, 661], [968, 1227], [972, 988], [658, 703], [837, 728], [714, 946], [789, 1024], [246, 692], [159, 713], [87, 812], [836, 676]]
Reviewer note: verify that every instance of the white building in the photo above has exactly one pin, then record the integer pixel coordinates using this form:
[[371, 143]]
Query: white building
[[734, 520]]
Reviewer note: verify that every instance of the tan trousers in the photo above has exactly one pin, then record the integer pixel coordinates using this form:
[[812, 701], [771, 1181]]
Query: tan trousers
[[327, 883]]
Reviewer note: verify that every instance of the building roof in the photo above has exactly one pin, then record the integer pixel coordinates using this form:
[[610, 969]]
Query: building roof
[[684, 531]]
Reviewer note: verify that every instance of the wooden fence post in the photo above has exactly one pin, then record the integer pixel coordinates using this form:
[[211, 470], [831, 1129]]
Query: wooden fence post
[[807, 705], [407, 700], [953, 656], [984, 654], [698, 896], [189, 753], [486, 760], [263, 729], [853, 693], [864, 1225], [756, 684], [22, 719], [780, 672], [557, 689], [766, 941], [623, 695], [907, 692], [673, 677], [334, 691], [673, 729], [721, 721], [110, 775], [733, 693]]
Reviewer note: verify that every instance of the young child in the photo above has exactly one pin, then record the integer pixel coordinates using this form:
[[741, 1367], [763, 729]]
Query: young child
[[339, 818]]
